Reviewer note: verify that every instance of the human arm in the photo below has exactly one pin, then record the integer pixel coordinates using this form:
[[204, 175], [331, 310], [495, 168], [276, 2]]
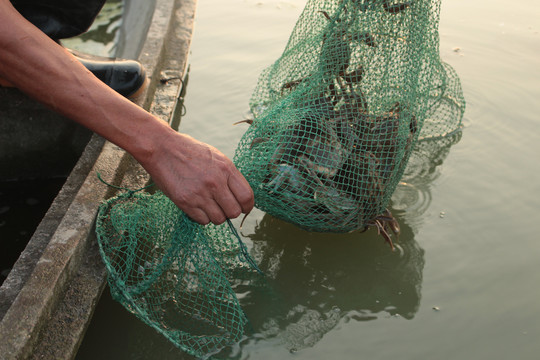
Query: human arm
[[198, 178]]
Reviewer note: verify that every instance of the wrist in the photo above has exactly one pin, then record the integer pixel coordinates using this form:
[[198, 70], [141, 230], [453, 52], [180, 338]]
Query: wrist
[[146, 137]]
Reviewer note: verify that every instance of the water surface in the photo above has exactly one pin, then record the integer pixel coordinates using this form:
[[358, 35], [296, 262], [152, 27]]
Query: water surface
[[464, 284]]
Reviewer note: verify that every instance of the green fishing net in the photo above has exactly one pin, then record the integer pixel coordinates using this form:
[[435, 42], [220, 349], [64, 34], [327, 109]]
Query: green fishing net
[[335, 119], [336, 116], [172, 273]]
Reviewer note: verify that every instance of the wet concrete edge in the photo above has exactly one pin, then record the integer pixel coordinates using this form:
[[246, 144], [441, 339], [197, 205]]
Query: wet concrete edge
[[50, 313]]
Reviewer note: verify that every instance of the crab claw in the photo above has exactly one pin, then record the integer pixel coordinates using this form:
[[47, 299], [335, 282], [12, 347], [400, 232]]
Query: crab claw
[[393, 223], [384, 224], [396, 8], [248, 121], [258, 140], [386, 237], [325, 14]]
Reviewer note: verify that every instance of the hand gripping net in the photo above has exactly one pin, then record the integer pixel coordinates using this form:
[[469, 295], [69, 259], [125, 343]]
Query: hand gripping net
[[337, 115], [172, 273]]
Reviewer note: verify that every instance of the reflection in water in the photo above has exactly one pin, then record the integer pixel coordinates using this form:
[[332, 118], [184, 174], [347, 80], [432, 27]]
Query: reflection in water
[[315, 281], [101, 38], [413, 193]]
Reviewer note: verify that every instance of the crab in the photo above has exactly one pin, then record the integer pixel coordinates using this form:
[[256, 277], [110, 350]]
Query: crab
[[336, 52], [329, 204], [387, 5], [287, 178], [313, 143], [395, 8], [324, 152], [385, 138], [335, 200], [335, 64], [385, 223], [304, 161]]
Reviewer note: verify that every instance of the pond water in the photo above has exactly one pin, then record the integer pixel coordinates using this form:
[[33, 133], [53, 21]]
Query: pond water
[[465, 283], [102, 37]]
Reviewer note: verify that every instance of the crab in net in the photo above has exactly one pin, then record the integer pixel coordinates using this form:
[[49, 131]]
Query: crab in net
[[322, 165], [336, 159], [391, 7]]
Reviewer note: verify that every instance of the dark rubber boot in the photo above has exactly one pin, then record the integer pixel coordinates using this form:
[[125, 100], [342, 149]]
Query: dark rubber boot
[[127, 77]]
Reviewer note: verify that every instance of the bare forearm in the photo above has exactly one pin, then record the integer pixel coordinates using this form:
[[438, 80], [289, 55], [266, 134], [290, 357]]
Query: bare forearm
[[197, 177], [47, 72]]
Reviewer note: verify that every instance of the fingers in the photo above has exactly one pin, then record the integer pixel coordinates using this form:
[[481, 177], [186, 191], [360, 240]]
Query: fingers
[[227, 204], [213, 213], [201, 209], [200, 180], [198, 215], [213, 210], [230, 194], [242, 192]]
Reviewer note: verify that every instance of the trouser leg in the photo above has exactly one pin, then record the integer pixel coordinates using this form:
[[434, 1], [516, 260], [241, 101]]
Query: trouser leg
[[60, 19]]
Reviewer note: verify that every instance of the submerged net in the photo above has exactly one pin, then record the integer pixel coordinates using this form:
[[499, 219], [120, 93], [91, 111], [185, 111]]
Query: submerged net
[[172, 273], [336, 116]]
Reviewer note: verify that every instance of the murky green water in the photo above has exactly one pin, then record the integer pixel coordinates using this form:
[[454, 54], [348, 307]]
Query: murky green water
[[464, 284], [102, 37]]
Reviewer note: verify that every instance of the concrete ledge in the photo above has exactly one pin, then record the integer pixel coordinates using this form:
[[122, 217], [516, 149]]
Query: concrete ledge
[[48, 299], [38, 243]]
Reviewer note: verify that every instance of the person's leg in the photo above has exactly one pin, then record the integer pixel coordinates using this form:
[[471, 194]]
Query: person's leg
[[62, 19]]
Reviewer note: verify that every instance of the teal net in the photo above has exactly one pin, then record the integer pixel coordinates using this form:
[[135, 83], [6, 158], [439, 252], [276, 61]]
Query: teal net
[[173, 273], [336, 117]]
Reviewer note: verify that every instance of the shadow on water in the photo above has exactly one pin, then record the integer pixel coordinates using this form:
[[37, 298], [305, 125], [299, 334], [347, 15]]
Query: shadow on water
[[114, 333], [315, 281]]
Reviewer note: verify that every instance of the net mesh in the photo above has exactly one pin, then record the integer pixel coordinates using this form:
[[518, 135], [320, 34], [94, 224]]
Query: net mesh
[[172, 273], [336, 116]]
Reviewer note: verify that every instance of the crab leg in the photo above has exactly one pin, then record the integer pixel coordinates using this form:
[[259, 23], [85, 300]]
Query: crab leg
[[385, 235], [394, 9], [247, 121]]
